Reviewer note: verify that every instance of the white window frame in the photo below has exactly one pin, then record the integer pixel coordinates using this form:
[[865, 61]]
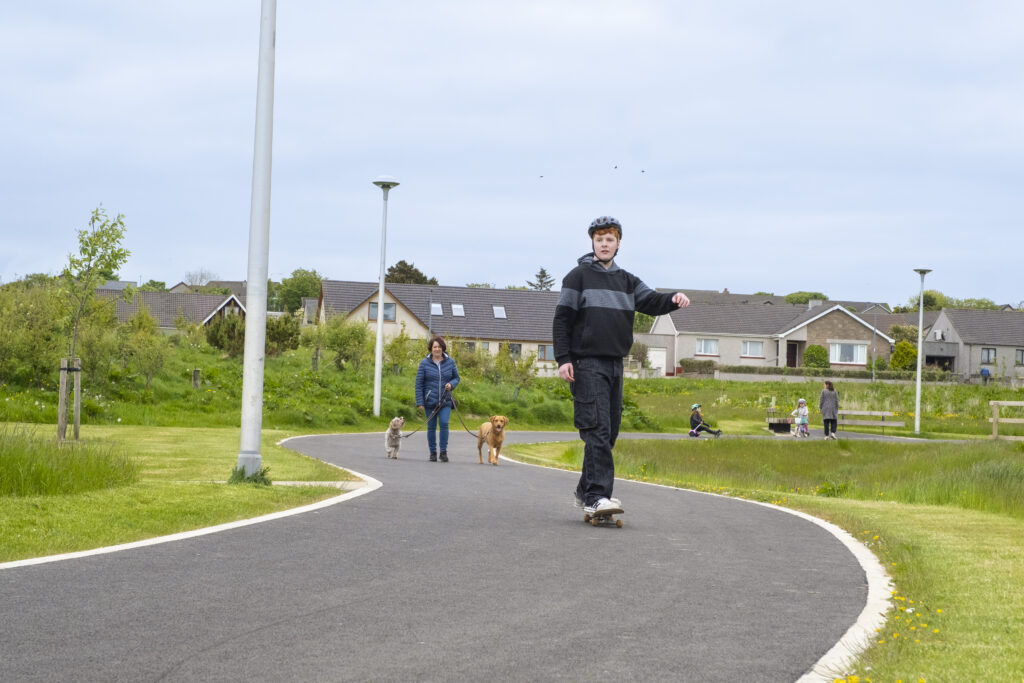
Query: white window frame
[[745, 349], [436, 308], [371, 312], [458, 310], [499, 311], [707, 347], [835, 353]]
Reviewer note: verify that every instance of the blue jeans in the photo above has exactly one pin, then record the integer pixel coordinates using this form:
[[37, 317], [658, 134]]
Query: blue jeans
[[597, 413], [442, 416]]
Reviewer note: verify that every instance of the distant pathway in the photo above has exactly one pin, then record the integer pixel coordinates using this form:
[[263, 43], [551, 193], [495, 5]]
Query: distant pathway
[[453, 571]]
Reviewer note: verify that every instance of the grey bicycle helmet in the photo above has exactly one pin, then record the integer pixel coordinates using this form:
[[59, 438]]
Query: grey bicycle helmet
[[602, 223]]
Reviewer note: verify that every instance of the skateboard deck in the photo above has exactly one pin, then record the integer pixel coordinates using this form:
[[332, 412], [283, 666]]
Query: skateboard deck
[[604, 517]]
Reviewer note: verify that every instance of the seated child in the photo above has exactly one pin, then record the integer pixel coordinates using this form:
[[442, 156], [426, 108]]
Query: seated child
[[802, 419], [697, 424]]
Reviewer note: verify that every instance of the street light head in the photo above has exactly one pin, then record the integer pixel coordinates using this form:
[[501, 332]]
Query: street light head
[[919, 271], [385, 182]]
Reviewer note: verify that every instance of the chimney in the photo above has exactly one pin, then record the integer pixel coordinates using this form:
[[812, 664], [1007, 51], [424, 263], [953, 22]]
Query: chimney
[[725, 291]]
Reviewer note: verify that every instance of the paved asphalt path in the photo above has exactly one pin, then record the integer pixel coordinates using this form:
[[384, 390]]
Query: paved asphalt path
[[454, 571]]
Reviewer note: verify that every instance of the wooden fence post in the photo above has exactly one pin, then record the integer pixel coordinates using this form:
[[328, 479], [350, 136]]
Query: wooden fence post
[[62, 401], [78, 396], [195, 378]]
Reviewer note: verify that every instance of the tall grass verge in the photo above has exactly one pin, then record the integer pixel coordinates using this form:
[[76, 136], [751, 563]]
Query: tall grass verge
[[31, 465]]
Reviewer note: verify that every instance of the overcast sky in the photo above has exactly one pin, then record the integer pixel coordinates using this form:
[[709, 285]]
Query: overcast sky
[[776, 147]]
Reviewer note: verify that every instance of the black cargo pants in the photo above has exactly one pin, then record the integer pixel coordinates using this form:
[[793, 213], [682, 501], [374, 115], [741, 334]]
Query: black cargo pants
[[597, 413]]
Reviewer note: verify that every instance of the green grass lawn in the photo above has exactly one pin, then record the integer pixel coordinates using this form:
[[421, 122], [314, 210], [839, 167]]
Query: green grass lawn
[[173, 491], [946, 521]]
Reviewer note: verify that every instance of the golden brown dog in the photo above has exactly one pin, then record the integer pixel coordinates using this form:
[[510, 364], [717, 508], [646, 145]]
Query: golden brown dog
[[493, 432]]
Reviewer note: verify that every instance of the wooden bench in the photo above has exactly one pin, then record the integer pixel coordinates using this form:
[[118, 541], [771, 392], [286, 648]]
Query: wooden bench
[[882, 422], [778, 424]]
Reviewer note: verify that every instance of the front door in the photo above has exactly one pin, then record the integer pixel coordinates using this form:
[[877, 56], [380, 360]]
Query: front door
[[791, 350]]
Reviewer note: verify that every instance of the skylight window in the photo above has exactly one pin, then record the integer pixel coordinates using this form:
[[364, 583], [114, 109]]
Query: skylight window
[[458, 310], [499, 311], [435, 309]]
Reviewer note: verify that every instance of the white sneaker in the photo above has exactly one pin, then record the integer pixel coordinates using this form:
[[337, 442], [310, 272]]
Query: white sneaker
[[602, 505]]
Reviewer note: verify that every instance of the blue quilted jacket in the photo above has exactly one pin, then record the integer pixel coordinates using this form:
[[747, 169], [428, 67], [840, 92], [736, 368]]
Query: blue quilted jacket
[[430, 380]]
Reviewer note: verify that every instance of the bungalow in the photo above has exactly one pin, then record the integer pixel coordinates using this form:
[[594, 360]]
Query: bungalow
[[165, 307], [966, 341], [764, 335], [480, 318]]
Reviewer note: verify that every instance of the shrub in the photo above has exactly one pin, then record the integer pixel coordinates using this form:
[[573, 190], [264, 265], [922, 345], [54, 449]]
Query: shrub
[[904, 357], [227, 333], [704, 367], [816, 356], [282, 334]]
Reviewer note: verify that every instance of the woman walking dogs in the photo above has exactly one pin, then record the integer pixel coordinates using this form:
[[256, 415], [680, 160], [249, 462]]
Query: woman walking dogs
[[436, 378], [593, 331]]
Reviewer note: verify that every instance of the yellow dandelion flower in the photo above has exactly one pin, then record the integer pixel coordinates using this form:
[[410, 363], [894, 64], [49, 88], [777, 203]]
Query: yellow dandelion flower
[[939, 611], [935, 631]]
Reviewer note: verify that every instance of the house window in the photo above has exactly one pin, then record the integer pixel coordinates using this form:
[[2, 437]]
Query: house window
[[854, 354], [469, 346], [458, 311], [485, 346], [515, 351], [707, 347], [435, 309], [753, 349], [389, 311], [988, 356], [499, 311], [1020, 356], [547, 352]]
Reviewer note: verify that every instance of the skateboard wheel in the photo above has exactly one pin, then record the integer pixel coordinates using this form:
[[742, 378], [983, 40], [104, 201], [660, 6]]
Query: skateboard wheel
[[593, 521], [618, 523], [586, 518]]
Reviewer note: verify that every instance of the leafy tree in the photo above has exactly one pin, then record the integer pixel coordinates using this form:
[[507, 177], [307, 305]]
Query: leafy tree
[[98, 345], [350, 340], [314, 337], [282, 334], [227, 333], [154, 286], [517, 287], [30, 334], [816, 356], [764, 293], [906, 333], [274, 296], [804, 297], [301, 283], [642, 322], [519, 371], [480, 285], [542, 281], [149, 351], [99, 253], [640, 354], [407, 273], [904, 357], [935, 300], [402, 351]]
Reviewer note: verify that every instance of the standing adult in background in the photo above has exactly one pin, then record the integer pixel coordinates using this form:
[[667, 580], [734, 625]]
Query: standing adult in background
[[828, 405], [436, 378]]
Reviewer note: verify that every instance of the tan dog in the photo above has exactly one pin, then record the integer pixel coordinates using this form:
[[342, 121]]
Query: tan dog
[[393, 438], [493, 432]]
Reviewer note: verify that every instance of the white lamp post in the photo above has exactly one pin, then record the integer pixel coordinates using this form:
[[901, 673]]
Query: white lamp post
[[384, 182], [249, 459], [920, 331]]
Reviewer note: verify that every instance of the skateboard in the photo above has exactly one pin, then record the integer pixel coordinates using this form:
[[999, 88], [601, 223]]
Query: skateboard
[[604, 517]]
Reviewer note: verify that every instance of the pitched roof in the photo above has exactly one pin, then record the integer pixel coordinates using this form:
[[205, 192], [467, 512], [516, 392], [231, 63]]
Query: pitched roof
[[528, 313], [754, 320], [711, 296], [164, 306], [999, 328]]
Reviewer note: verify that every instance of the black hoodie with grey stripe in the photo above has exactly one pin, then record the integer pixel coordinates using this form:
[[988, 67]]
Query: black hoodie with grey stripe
[[594, 314]]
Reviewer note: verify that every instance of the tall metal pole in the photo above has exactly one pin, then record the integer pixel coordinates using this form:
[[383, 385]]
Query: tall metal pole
[[385, 183], [920, 330], [259, 247]]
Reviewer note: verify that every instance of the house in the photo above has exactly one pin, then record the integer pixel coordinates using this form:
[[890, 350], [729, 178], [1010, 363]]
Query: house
[[965, 341], [165, 307], [477, 317], [775, 335], [711, 296], [116, 285]]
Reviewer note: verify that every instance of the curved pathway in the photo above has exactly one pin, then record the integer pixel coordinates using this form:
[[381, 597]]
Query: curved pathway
[[449, 571]]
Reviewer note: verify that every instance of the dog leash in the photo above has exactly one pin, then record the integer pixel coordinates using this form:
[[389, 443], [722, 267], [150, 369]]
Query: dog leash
[[445, 395]]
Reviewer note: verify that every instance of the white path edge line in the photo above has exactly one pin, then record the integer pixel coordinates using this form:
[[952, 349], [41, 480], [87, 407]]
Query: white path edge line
[[371, 485], [880, 587]]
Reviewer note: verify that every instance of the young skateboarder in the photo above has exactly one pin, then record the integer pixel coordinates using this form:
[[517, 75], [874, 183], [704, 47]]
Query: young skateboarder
[[593, 331]]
